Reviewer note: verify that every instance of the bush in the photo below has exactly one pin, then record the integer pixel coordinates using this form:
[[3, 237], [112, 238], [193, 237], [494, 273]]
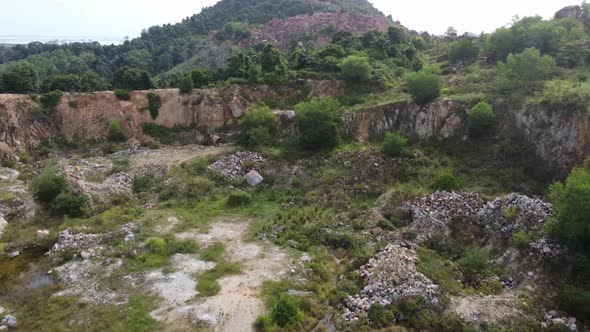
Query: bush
[[116, 133], [257, 127], [186, 85], [576, 301], [520, 240], [143, 183], [154, 103], [318, 122], [286, 311], [356, 70], [49, 185], [482, 119], [474, 263], [239, 198], [122, 94], [424, 86], [526, 68], [463, 50], [394, 143], [51, 99], [156, 245], [446, 182], [132, 78], [380, 316], [68, 204]]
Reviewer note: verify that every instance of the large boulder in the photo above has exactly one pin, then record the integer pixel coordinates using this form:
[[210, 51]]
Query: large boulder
[[570, 11], [253, 178]]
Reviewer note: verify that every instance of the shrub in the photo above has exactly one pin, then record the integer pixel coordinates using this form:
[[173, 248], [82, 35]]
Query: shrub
[[424, 86], [318, 122], [186, 85], [257, 126], [69, 204], [474, 263], [156, 245], [482, 119], [51, 99], [143, 183], [356, 70], [520, 240], [286, 311], [49, 185], [572, 211], [239, 198], [132, 78], [394, 143], [446, 182], [154, 103], [380, 316], [116, 133], [122, 94], [526, 68], [576, 301], [463, 50]]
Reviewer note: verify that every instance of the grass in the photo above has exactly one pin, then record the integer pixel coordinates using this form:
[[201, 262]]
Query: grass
[[440, 270], [208, 285]]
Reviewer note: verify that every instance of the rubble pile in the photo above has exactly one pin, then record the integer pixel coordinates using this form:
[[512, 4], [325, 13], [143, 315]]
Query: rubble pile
[[390, 276], [237, 165], [515, 212], [367, 164], [551, 318]]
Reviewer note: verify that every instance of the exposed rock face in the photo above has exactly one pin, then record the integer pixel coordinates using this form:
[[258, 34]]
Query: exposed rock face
[[560, 138], [570, 11], [281, 31], [85, 116], [440, 120]]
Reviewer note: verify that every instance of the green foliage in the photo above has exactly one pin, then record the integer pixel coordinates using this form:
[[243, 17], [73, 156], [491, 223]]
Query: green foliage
[[441, 270], [286, 311], [527, 68], [520, 240], [482, 119], [208, 285], [572, 211], [154, 103], [51, 99], [447, 182], [239, 198], [156, 245], [122, 94], [132, 78], [214, 253], [424, 86], [116, 133], [318, 122], [143, 183], [464, 49], [164, 134], [356, 70], [394, 143], [186, 85], [47, 186], [380, 316], [20, 77], [257, 126], [576, 301], [564, 95], [69, 204], [273, 65], [86, 82], [474, 264], [202, 77]]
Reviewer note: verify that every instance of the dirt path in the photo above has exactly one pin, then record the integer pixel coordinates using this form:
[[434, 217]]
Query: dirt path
[[237, 306], [175, 155]]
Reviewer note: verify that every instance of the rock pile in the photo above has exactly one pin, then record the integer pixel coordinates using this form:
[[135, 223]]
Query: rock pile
[[546, 249], [9, 322], [235, 166], [366, 164], [70, 241], [515, 212], [390, 276], [552, 319]]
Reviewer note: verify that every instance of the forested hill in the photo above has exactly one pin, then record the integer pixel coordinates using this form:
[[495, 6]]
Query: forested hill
[[161, 48]]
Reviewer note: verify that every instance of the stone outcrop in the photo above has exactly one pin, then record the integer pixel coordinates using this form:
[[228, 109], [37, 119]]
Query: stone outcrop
[[80, 117], [440, 120], [560, 138]]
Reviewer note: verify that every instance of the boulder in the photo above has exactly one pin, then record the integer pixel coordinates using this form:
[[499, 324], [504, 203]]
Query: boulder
[[574, 12], [9, 321], [42, 233], [3, 224], [253, 178]]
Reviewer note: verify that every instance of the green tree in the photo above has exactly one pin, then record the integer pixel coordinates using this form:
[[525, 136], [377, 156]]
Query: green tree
[[186, 85], [394, 143], [48, 185], [286, 311], [482, 119], [318, 122], [202, 77], [91, 81], [356, 70], [463, 50], [424, 86], [257, 126], [132, 78], [273, 65], [21, 77], [527, 67]]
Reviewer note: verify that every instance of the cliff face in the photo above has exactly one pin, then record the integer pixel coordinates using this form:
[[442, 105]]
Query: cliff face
[[560, 138], [441, 120], [85, 117]]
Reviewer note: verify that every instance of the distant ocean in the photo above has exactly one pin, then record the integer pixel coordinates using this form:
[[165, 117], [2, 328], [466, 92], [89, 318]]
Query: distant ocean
[[13, 40]]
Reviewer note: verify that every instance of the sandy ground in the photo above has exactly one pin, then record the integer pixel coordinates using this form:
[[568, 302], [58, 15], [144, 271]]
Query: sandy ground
[[237, 306], [175, 155]]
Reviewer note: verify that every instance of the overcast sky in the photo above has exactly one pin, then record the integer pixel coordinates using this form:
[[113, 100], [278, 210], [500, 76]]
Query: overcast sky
[[119, 18]]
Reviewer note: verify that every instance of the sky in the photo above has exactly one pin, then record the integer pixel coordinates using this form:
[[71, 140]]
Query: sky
[[120, 18]]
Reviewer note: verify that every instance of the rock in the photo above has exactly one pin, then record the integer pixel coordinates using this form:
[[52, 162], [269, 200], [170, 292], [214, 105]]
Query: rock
[[9, 321], [290, 115], [253, 178], [42, 233], [2, 310], [235, 166], [574, 12], [3, 224], [14, 254]]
